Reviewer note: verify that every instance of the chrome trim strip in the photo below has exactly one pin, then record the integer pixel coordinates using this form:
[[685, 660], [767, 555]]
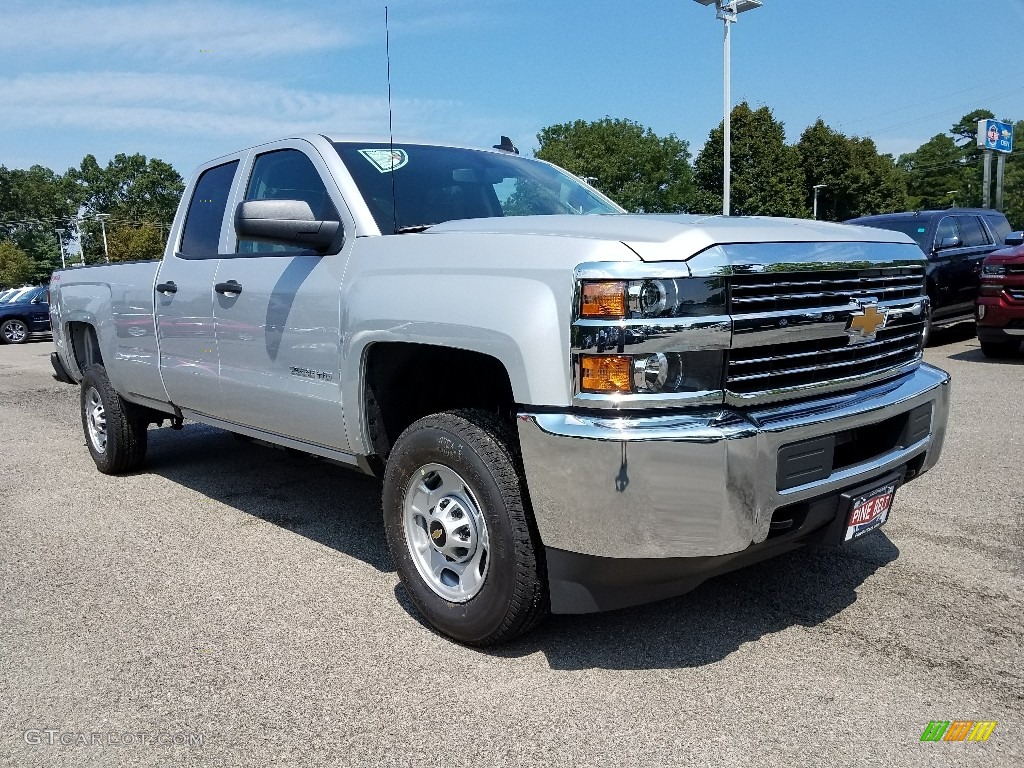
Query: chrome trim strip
[[827, 387]]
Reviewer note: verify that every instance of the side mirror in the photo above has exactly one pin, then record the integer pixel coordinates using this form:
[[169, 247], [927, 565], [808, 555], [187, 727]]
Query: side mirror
[[948, 242], [287, 222], [1015, 238]]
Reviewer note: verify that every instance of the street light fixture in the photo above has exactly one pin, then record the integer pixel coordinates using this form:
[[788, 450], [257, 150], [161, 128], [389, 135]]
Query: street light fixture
[[102, 217], [952, 193], [817, 187], [727, 11]]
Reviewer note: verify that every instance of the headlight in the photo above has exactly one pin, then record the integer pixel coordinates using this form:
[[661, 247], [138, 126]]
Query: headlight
[[993, 270], [652, 374], [646, 299]]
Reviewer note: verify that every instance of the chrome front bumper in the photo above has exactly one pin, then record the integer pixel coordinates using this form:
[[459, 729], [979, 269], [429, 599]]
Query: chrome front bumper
[[705, 483]]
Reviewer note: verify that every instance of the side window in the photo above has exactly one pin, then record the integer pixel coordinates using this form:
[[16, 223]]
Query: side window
[[287, 174], [206, 213], [972, 232], [999, 227], [947, 228]]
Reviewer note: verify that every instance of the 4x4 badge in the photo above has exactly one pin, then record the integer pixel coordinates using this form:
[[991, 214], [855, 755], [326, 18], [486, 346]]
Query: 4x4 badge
[[864, 325]]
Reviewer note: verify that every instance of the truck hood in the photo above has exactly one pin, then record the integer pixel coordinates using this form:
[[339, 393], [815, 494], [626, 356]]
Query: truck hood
[[675, 237]]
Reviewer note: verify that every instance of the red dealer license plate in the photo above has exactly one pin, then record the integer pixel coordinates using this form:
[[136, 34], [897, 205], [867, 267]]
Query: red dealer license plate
[[869, 511]]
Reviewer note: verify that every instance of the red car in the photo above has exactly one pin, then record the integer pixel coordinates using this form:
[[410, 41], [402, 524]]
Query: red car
[[1000, 304]]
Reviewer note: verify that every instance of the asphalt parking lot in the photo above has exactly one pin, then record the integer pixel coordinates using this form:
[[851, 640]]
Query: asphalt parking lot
[[234, 605]]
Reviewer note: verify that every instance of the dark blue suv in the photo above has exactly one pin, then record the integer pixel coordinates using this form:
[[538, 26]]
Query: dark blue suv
[[29, 313], [956, 242]]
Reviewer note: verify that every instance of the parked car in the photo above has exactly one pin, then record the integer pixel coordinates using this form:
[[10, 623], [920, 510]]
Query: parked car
[[1000, 305], [956, 242], [27, 313]]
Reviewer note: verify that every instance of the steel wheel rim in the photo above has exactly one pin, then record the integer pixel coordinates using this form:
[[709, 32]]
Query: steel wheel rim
[[96, 420], [15, 331], [446, 533]]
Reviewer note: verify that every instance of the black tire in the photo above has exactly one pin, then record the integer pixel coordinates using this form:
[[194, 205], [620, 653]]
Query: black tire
[[482, 449], [14, 330], [124, 448], [1000, 349]]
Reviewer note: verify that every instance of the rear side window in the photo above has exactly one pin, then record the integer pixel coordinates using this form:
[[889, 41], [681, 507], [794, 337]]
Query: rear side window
[[1000, 228], [206, 213], [972, 232]]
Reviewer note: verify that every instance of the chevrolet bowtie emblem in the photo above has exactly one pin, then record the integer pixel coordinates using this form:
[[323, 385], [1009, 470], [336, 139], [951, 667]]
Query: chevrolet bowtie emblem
[[864, 325]]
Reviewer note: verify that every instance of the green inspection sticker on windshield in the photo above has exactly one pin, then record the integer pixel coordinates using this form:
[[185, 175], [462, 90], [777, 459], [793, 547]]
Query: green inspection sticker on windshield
[[921, 230], [385, 160]]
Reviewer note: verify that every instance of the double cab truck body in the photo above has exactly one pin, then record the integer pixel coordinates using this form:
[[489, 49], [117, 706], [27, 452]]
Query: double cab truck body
[[572, 408]]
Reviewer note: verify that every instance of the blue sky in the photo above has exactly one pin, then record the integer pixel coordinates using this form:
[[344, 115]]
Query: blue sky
[[187, 81]]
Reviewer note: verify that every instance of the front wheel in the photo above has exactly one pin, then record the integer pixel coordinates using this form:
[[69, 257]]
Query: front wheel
[[14, 331], [114, 431], [459, 529]]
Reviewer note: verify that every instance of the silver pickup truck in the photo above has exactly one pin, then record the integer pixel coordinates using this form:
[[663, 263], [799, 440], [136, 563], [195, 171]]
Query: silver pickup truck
[[572, 409]]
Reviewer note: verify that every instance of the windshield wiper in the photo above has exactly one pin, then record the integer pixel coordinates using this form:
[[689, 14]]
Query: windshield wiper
[[413, 228]]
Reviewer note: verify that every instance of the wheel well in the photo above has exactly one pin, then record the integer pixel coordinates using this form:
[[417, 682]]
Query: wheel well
[[84, 344], [405, 382]]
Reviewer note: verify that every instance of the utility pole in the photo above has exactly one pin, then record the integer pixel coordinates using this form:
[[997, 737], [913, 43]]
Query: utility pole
[[103, 226], [60, 242], [81, 247]]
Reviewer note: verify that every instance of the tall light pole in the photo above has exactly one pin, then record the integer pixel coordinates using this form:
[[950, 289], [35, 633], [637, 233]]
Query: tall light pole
[[727, 11], [817, 188], [952, 193], [103, 226]]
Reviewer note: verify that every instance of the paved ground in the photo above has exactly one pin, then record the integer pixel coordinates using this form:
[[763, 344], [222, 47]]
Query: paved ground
[[245, 595]]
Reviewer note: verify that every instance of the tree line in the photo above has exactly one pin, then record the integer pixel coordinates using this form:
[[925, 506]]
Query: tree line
[[645, 172], [43, 212]]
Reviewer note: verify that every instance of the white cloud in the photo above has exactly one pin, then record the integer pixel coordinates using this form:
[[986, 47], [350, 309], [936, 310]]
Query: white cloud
[[172, 28], [197, 105]]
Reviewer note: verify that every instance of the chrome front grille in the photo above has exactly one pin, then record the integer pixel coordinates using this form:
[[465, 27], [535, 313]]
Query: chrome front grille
[[790, 335], [806, 290]]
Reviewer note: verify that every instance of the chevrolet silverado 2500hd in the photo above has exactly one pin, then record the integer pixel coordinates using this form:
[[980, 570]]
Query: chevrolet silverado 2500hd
[[572, 409]]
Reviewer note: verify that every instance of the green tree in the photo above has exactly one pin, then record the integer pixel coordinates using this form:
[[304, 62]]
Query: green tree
[[641, 171], [1013, 182], [16, 268], [874, 183], [128, 243], [936, 174], [826, 158], [767, 179], [34, 204], [131, 189]]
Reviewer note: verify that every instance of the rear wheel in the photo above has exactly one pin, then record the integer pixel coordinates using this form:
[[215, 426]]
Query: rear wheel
[[115, 432], [459, 528], [1000, 349], [14, 331]]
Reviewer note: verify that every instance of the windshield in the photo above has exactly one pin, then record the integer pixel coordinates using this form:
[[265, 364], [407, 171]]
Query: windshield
[[916, 228], [436, 184], [18, 295]]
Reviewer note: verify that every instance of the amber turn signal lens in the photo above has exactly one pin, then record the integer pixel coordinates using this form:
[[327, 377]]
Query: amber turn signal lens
[[606, 373], [604, 299]]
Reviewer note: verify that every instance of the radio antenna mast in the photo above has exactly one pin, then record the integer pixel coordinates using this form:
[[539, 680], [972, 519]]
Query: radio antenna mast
[[391, 131]]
